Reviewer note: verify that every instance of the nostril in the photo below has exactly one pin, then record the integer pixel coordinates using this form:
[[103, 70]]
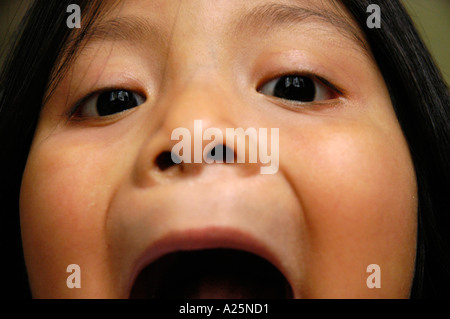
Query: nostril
[[164, 160], [221, 154]]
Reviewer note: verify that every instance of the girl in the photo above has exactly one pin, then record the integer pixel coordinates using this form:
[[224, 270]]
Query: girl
[[86, 121]]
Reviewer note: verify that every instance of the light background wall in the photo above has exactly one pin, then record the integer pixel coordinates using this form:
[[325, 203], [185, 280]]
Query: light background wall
[[432, 18]]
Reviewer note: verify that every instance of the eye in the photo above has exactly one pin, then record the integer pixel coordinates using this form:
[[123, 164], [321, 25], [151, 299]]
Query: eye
[[108, 103], [299, 88]]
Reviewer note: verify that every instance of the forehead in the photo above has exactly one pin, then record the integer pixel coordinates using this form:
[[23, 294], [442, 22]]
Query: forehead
[[136, 20]]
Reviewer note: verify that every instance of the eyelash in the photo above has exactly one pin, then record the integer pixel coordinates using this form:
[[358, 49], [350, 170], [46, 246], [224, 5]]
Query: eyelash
[[303, 89], [131, 99], [297, 84]]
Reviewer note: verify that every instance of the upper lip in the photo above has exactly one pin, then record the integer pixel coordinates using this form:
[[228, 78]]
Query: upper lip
[[146, 224], [207, 238]]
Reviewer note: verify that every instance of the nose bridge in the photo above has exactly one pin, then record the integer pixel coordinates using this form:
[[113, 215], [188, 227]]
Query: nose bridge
[[197, 116], [194, 116], [196, 84], [200, 98], [196, 99]]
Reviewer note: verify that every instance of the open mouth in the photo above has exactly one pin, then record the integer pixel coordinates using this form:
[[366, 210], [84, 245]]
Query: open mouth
[[211, 274]]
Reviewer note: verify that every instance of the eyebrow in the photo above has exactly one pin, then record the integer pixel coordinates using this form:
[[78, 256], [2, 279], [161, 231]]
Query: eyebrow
[[131, 29], [267, 16], [134, 29]]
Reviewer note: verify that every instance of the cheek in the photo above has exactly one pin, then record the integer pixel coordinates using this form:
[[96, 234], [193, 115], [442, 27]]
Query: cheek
[[357, 191], [63, 202]]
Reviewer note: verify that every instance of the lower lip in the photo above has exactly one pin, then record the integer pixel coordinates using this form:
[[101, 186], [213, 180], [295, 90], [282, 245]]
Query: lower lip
[[207, 238]]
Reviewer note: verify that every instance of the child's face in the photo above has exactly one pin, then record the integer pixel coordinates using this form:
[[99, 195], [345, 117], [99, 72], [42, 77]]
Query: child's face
[[94, 193]]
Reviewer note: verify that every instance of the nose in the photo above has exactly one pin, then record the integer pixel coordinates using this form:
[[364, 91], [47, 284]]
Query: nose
[[196, 131], [218, 153]]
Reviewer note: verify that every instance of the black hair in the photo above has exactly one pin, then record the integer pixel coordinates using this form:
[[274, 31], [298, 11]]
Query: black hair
[[418, 92], [27, 78]]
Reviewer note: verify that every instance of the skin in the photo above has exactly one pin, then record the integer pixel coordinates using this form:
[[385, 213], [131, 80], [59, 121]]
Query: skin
[[344, 196]]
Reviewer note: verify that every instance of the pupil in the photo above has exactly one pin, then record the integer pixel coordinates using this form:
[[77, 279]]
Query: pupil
[[114, 102], [295, 88]]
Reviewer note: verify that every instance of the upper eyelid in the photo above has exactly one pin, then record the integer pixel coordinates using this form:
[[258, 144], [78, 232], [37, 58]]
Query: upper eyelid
[[293, 105], [324, 81], [131, 83], [331, 85], [72, 110]]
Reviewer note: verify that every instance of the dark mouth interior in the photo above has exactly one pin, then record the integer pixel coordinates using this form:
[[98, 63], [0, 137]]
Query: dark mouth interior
[[211, 274]]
